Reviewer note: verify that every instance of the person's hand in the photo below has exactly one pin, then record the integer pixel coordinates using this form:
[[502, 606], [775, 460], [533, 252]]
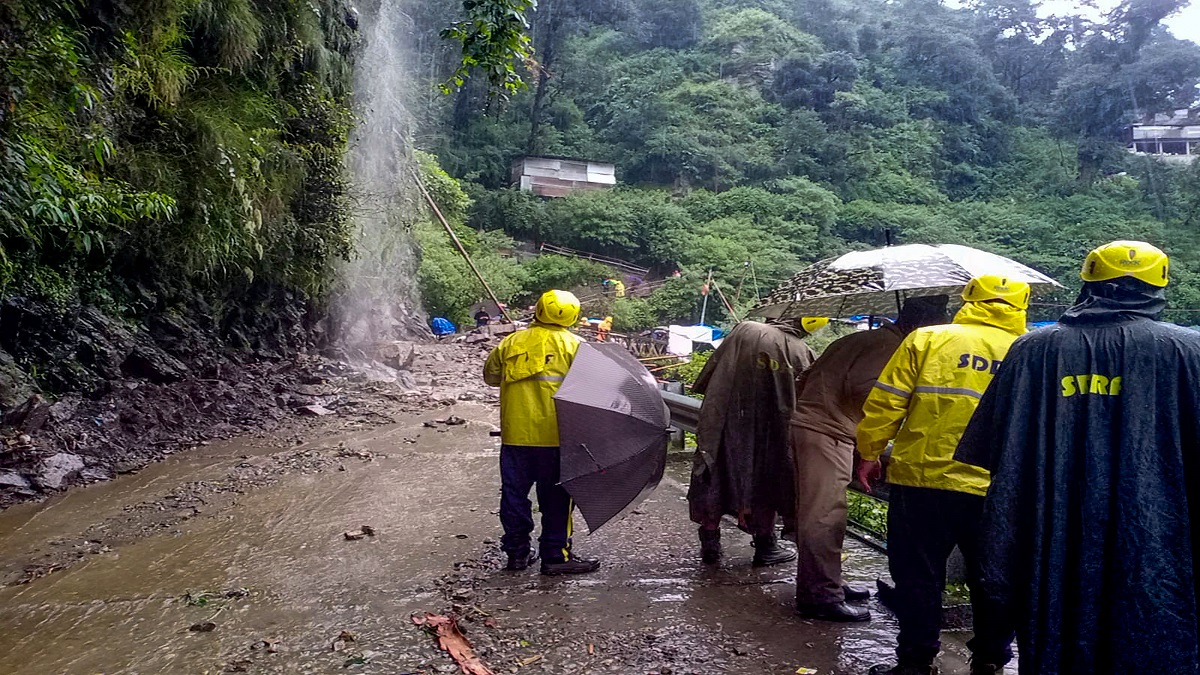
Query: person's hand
[[868, 472]]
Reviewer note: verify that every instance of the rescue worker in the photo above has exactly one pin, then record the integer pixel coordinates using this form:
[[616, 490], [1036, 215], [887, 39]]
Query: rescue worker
[[602, 330], [924, 398], [1092, 433], [482, 318], [828, 408], [742, 466], [529, 366]]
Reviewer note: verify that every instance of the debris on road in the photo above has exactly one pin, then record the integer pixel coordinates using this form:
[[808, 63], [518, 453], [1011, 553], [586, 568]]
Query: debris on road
[[362, 531], [203, 627], [453, 642], [315, 410], [344, 638]]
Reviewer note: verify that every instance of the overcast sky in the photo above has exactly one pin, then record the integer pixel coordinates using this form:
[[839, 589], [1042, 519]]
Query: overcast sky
[[1185, 24]]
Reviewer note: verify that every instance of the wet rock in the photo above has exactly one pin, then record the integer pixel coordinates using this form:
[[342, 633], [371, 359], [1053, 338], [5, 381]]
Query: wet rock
[[30, 415], [315, 411], [148, 361], [398, 355], [95, 474], [53, 471], [15, 385], [14, 479]]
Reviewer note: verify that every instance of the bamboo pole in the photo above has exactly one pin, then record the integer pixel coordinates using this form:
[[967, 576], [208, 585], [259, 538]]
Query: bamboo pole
[[461, 249]]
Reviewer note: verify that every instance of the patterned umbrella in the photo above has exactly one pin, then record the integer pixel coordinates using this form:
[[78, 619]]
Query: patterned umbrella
[[612, 424], [877, 281]]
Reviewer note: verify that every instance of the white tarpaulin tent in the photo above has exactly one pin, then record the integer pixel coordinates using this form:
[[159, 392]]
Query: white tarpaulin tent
[[681, 339]]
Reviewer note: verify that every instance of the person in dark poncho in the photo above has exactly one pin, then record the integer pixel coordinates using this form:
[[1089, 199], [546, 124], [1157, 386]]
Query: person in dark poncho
[[1092, 434], [742, 466]]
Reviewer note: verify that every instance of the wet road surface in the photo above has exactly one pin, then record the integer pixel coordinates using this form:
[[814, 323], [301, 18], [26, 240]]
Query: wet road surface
[[296, 583]]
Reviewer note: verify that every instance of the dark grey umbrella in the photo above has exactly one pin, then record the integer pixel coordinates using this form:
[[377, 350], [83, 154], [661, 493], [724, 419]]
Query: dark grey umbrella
[[612, 425]]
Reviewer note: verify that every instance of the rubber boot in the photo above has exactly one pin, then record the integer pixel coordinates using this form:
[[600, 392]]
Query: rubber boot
[[710, 546], [575, 565], [517, 563], [767, 551]]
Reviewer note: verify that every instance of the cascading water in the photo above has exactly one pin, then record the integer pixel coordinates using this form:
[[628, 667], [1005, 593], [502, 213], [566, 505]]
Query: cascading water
[[380, 300]]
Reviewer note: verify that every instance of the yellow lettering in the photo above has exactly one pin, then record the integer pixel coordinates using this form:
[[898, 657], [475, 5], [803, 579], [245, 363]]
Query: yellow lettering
[[1099, 385], [1114, 387], [1068, 385], [1084, 381]]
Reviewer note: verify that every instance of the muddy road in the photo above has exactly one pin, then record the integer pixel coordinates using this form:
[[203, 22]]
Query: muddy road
[[232, 558]]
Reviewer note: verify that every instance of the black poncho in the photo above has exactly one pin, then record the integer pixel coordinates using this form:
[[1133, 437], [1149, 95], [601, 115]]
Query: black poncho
[[1092, 432]]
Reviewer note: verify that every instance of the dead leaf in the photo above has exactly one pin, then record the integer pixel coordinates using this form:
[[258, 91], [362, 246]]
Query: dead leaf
[[531, 660], [806, 671], [367, 530], [204, 627], [344, 638], [454, 643], [354, 535], [591, 650], [490, 623]]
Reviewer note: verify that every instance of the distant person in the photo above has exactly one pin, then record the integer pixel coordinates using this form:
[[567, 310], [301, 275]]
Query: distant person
[[482, 318], [828, 408], [923, 400], [603, 329], [1092, 433], [742, 466], [529, 366]]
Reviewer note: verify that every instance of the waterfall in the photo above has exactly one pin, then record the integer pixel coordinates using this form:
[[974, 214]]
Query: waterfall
[[379, 300]]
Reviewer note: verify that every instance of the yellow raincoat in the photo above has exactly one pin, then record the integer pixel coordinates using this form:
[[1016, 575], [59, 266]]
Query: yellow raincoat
[[928, 392], [529, 366]]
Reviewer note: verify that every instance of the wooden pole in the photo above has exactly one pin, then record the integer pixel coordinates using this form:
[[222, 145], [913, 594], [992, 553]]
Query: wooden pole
[[461, 249]]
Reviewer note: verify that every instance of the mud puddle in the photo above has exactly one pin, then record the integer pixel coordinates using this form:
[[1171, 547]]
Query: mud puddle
[[265, 575]]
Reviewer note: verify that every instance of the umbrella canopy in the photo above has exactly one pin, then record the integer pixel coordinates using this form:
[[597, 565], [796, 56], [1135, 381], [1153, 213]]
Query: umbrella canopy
[[872, 282], [612, 425]]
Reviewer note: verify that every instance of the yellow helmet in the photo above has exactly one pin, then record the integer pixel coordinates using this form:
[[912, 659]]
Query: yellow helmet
[[995, 287], [1135, 259], [560, 308], [812, 324]]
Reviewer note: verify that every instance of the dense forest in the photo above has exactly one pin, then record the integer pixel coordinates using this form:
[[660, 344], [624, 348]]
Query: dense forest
[[177, 166], [780, 132]]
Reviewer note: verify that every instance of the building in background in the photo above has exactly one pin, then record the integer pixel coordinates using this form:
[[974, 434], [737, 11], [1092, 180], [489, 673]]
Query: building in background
[[1173, 137], [560, 176]]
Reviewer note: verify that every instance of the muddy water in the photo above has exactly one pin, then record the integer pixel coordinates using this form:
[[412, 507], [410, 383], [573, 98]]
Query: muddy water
[[432, 499]]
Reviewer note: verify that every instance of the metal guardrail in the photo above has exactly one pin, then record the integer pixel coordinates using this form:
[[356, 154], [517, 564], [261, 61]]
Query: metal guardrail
[[685, 415], [685, 411]]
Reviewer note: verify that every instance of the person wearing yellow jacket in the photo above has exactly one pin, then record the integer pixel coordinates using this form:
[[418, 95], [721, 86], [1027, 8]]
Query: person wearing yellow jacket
[[529, 366], [923, 400]]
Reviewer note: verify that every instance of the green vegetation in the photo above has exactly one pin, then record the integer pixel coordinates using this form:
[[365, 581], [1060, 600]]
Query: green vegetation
[[780, 133], [867, 512], [167, 145]]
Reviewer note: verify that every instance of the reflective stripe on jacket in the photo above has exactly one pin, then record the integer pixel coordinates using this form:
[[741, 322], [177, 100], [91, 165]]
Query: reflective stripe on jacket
[[529, 366], [928, 392]]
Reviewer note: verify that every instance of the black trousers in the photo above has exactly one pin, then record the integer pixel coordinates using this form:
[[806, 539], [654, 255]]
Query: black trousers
[[521, 468], [924, 526]]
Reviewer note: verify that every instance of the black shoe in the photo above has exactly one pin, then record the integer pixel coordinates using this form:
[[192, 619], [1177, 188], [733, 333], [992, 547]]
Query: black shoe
[[856, 594], [833, 611], [516, 563], [903, 670], [767, 551], [710, 546], [572, 566], [986, 669]]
